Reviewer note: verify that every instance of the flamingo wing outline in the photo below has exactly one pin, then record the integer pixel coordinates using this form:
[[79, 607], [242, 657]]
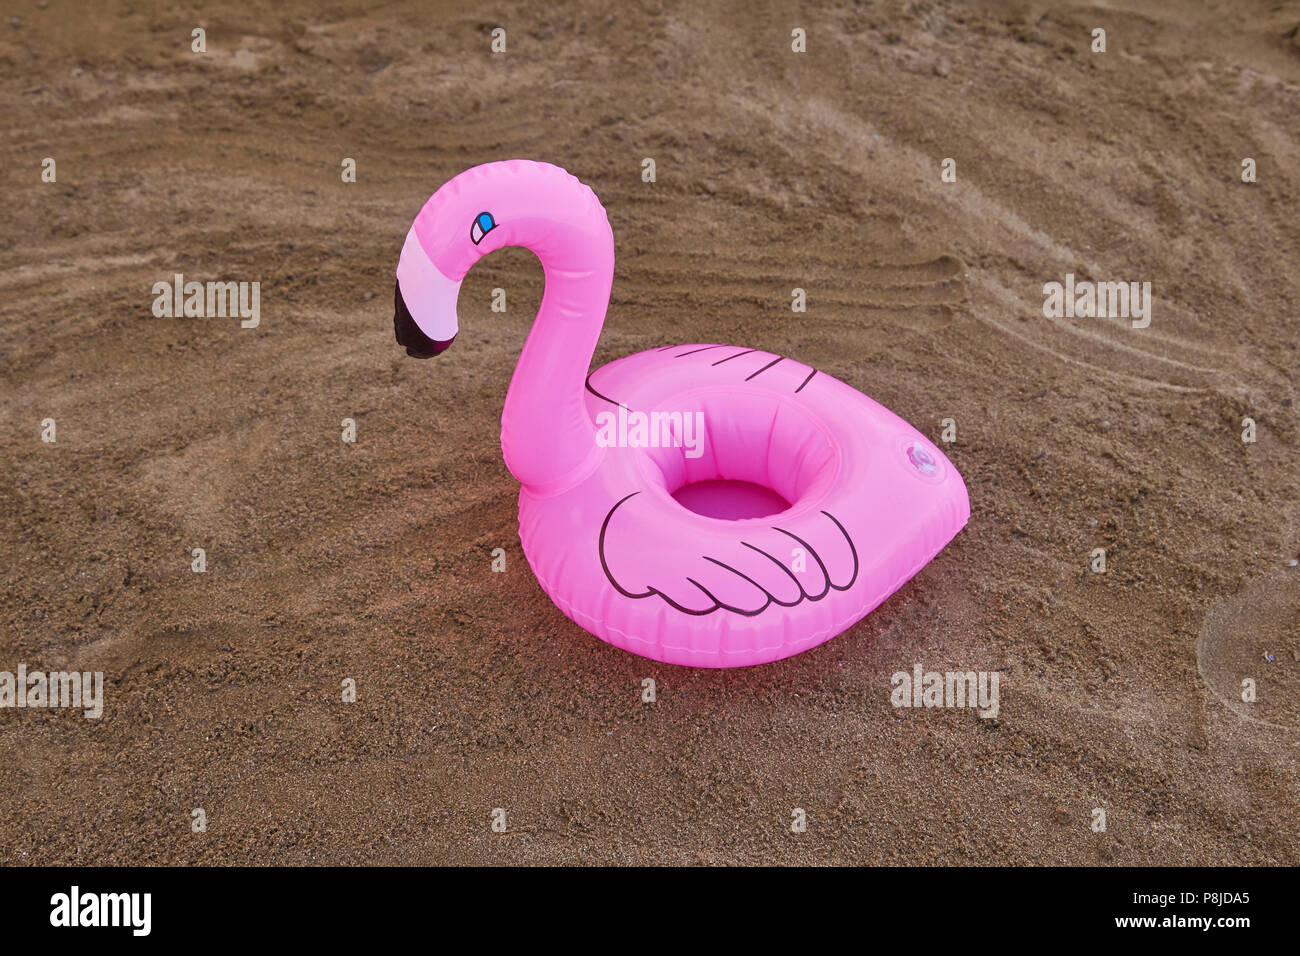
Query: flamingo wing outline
[[751, 560]]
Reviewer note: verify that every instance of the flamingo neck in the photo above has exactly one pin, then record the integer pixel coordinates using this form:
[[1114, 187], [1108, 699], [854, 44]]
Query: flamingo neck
[[547, 438]]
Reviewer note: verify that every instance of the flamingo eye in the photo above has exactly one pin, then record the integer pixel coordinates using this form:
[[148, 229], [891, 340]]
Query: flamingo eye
[[483, 224]]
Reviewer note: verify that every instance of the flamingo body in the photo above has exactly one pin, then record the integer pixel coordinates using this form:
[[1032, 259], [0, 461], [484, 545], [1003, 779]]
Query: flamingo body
[[681, 587]]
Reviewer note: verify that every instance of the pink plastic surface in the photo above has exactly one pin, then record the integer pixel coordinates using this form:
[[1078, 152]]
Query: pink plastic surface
[[871, 500]]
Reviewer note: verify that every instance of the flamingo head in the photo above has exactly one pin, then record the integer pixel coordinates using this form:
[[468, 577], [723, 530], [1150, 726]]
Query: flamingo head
[[439, 250], [516, 202]]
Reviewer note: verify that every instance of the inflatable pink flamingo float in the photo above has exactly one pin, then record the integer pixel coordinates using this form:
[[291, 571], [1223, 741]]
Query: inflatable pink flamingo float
[[706, 505]]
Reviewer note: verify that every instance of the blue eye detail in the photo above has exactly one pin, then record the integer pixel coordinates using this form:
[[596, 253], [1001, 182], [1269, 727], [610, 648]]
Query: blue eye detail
[[483, 224]]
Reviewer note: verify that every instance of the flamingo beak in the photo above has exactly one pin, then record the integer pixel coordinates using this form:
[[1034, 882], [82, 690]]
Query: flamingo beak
[[418, 345]]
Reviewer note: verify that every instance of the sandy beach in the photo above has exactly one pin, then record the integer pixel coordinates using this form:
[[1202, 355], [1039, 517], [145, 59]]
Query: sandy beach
[[371, 561]]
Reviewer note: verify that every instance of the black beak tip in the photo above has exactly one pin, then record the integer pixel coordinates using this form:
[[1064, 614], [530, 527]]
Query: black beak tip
[[418, 345]]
